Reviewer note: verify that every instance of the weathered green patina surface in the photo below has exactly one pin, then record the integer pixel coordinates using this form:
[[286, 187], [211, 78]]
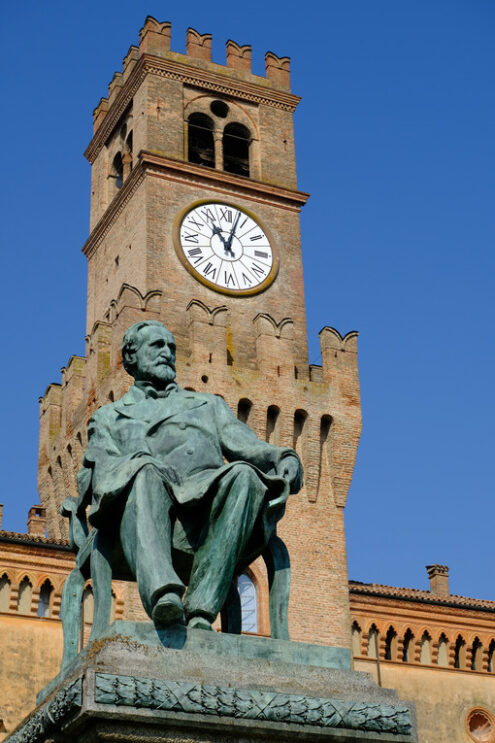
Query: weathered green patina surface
[[180, 491]]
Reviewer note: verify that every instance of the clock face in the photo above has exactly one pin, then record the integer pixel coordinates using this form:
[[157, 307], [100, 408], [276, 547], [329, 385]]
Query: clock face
[[226, 249]]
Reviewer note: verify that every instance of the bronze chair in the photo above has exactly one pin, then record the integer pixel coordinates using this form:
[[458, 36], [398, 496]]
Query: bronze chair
[[99, 557]]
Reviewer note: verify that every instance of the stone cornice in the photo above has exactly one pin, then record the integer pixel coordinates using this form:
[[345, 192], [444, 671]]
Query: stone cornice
[[220, 180], [206, 79], [179, 171]]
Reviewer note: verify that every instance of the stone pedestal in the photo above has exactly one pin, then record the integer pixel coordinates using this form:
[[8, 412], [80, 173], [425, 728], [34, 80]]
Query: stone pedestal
[[196, 687]]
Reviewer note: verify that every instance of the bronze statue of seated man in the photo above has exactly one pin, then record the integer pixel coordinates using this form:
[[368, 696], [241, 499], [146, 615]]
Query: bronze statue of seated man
[[167, 467]]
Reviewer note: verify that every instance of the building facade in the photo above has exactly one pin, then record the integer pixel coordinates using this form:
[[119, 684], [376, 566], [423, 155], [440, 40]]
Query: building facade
[[195, 222]]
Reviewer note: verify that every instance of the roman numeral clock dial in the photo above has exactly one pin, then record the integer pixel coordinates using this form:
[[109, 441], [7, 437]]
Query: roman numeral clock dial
[[225, 248]]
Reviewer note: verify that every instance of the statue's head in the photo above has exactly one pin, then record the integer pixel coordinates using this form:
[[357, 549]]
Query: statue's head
[[148, 352]]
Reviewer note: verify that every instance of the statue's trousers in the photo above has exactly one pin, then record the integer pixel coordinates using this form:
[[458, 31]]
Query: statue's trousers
[[220, 542]]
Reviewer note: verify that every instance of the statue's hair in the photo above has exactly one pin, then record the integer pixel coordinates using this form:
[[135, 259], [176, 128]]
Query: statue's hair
[[130, 342]]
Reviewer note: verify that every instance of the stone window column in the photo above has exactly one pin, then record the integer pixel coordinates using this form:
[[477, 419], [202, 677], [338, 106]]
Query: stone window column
[[485, 656], [218, 140], [126, 165], [382, 641], [434, 651]]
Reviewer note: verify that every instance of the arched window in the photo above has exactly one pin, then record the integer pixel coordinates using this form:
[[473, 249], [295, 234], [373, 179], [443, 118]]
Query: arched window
[[88, 605], [476, 655], [236, 139], [443, 651], [408, 652], [244, 408], [325, 425], [4, 593], [372, 641], [491, 657], [200, 146], [118, 170], [460, 653], [128, 143], [249, 604], [425, 650], [272, 416], [324, 469], [391, 644], [300, 417], [24, 599], [87, 613], [44, 599], [356, 639]]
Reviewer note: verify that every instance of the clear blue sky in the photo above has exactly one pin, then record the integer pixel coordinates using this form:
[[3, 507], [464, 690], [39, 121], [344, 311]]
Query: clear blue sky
[[395, 141]]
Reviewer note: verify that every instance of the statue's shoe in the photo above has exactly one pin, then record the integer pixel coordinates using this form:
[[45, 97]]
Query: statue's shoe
[[199, 622], [168, 610]]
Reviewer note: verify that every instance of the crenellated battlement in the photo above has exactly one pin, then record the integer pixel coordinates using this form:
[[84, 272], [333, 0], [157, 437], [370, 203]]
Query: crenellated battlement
[[314, 410], [155, 41]]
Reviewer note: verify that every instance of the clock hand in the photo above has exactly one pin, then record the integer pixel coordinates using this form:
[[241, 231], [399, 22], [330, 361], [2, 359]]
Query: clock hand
[[226, 245], [232, 232], [217, 231]]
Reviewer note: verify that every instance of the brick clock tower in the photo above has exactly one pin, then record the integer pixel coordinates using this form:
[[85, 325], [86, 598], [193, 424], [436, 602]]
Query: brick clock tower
[[195, 222]]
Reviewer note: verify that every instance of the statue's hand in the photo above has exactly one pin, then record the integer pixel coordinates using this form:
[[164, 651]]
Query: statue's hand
[[290, 470]]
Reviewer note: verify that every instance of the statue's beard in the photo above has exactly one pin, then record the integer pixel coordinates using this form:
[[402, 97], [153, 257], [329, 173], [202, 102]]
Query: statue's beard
[[163, 374]]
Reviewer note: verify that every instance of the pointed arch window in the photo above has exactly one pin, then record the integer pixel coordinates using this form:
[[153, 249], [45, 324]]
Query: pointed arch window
[[88, 605], [44, 599], [460, 652], [391, 644], [443, 651], [4, 593], [476, 654], [491, 657], [87, 613], [425, 649], [373, 641], [236, 140], [200, 145], [25, 594], [356, 639], [408, 651]]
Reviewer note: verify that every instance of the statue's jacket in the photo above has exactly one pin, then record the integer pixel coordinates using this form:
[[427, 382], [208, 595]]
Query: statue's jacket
[[193, 439]]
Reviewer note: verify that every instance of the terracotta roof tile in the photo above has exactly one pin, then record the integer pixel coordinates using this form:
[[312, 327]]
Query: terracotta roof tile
[[415, 594], [17, 537]]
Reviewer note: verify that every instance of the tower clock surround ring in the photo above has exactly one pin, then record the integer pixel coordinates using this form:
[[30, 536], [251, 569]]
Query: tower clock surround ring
[[226, 247]]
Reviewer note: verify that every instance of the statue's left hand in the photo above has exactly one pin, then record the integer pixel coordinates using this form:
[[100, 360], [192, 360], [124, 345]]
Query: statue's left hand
[[290, 470]]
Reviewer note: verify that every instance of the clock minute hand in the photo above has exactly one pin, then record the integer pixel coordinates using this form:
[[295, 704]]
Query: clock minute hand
[[232, 232]]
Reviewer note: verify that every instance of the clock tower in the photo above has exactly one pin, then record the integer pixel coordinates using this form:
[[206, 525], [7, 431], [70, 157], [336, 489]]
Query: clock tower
[[195, 222]]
